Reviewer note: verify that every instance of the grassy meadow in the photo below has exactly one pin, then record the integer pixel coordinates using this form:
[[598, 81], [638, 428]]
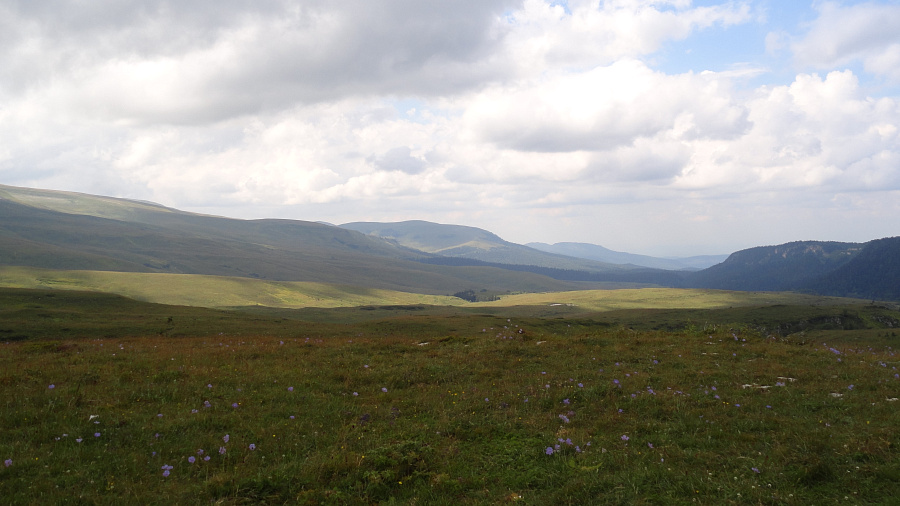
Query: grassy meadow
[[107, 400]]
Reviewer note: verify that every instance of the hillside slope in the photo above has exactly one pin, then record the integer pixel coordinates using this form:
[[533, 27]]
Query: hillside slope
[[874, 273], [784, 267], [455, 241], [101, 233]]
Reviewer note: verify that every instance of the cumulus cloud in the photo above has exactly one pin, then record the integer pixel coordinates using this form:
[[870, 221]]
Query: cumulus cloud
[[467, 112], [605, 108], [841, 34]]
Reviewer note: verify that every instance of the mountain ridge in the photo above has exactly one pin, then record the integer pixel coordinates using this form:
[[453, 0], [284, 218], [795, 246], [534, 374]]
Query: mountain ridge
[[106, 233]]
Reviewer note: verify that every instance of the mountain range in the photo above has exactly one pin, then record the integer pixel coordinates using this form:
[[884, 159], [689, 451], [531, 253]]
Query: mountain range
[[72, 231]]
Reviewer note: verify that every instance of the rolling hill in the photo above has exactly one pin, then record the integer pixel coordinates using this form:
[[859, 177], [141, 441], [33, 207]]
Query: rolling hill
[[63, 230], [69, 231], [456, 241]]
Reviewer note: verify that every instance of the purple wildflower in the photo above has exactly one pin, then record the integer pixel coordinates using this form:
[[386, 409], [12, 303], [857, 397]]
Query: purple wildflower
[[384, 389], [96, 434], [52, 386], [191, 459], [234, 405], [549, 450], [755, 470], [206, 458], [564, 418], [252, 446], [625, 438], [290, 389], [166, 469], [7, 462], [221, 450], [226, 438], [566, 402]]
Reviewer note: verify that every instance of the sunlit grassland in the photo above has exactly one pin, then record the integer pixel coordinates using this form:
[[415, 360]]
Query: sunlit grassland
[[213, 291], [660, 298], [469, 410]]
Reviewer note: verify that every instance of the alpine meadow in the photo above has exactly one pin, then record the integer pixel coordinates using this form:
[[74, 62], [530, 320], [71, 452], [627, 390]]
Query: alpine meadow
[[150, 375], [479, 252]]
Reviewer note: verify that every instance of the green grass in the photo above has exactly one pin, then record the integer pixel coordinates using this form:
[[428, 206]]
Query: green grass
[[465, 419], [213, 291]]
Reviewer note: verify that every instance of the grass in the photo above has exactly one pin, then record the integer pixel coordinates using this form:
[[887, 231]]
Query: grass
[[451, 408], [213, 291]]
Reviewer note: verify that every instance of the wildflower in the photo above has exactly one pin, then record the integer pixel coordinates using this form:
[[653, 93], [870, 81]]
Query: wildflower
[[755, 470], [850, 387], [221, 450], [252, 446], [580, 385], [194, 411], [7, 462], [209, 386], [355, 394], [52, 386], [549, 450], [159, 415], [166, 469], [96, 434], [191, 459], [384, 389], [78, 440], [206, 458], [625, 438], [566, 402], [234, 405], [226, 438], [200, 451], [206, 404], [292, 417], [290, 389], [564, 418], [650, 445]]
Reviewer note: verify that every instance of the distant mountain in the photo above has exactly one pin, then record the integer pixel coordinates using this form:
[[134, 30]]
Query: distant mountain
[[472, 243], [72, 231], [788, 266], [601, 254], [64, 230], [873, 273]]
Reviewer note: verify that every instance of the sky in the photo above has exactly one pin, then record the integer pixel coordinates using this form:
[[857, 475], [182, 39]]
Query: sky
[[669, 128]]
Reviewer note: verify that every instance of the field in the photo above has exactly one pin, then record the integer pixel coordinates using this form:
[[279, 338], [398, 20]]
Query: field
[[748, 401]]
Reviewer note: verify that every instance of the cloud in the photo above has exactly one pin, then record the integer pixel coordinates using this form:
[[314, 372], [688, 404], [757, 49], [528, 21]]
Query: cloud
[[522, 115], [605, 108], [867, 32]]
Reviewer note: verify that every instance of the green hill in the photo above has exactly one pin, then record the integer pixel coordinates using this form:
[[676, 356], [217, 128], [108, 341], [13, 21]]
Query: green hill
[[70, 231], [455, 241]]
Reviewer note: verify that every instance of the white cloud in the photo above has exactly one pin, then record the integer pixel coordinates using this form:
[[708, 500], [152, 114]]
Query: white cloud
[[517, 116], [867, 32]]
